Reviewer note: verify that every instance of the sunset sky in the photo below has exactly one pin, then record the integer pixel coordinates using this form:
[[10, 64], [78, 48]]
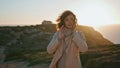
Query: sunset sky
[[95, 13], [89, 12]]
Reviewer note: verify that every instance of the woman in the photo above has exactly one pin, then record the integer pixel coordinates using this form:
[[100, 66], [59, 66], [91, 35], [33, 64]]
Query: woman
[[66, 43]]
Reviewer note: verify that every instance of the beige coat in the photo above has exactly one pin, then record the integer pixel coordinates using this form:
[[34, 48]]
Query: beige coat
[[72, 52]]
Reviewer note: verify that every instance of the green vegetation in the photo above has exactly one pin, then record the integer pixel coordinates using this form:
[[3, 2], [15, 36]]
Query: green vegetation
[[28, 43], [104, 56]]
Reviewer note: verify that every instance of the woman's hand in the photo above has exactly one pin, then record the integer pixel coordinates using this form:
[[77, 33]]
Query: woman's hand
[[61, 33]]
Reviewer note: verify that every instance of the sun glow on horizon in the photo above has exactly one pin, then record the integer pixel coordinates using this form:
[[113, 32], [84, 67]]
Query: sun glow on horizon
[[95, 14]]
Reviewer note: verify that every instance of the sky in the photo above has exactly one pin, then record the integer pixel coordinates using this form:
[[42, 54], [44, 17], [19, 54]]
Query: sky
[[30, 12], [95, 13], [111, 32]]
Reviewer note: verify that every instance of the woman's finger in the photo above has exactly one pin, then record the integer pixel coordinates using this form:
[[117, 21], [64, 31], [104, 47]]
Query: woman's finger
[[61, 27], [63, 30]]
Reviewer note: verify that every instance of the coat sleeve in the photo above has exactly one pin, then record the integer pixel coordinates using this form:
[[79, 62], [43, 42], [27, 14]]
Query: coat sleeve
[[80, 41], [52, 46]]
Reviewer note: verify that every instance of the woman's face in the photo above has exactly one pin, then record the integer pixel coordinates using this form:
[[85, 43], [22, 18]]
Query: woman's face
[[69, 21]]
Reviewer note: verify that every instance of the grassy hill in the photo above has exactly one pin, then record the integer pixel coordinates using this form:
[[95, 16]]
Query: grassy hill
[[102, 57], [28, 43]]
